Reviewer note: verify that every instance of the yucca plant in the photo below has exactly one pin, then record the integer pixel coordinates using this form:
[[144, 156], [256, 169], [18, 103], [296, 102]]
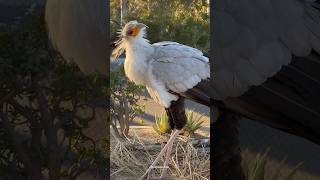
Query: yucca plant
[[193, 123], [257, 170], [162, 125]]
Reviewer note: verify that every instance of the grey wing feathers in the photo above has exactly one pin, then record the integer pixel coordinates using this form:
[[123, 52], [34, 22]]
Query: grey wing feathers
[[261, 38], [168, 50], [178, 66], [78, 30]]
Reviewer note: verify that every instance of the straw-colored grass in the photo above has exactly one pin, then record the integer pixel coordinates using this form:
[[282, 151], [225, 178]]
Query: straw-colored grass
[[259, 166], [131, 157]]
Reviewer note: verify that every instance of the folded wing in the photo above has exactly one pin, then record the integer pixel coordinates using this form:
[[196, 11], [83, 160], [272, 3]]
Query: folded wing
[[178, 66]]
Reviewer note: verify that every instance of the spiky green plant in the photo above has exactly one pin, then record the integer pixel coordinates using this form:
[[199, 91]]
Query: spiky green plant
[[257, 170], [193, 123], [162, 125]]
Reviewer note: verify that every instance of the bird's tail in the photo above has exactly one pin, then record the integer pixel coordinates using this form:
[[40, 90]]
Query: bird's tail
[[289, 101]]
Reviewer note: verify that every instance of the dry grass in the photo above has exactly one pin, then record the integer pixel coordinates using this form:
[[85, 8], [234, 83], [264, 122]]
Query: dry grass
[[131, 157], [273, 169]]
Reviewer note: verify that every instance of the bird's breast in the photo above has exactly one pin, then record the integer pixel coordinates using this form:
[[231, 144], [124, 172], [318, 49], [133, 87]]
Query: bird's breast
[[136, 69]]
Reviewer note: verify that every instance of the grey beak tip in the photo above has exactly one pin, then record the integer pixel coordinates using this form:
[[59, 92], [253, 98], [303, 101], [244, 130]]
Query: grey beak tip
[[143, 25]]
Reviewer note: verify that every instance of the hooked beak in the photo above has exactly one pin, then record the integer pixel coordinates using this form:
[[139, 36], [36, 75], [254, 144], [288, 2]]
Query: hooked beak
[[141, 25]]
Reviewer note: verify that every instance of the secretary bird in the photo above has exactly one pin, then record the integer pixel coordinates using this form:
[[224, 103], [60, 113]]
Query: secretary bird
[[167, 69], [266, 64]]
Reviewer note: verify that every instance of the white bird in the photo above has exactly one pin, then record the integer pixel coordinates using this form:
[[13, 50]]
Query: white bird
[[161, 67], [167, 69]]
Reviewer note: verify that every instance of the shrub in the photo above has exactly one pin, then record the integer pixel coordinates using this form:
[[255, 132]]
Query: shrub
[[124, 102], [162, 126], [193, 123]]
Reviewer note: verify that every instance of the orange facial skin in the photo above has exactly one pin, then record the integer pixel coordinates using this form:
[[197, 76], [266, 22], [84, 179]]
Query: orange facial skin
[[135, 31]]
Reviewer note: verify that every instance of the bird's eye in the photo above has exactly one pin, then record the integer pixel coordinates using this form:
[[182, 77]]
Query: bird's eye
[[133, 31]]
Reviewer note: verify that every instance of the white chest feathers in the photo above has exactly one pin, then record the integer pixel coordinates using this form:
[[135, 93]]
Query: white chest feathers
[[136, 67], [139, 70]]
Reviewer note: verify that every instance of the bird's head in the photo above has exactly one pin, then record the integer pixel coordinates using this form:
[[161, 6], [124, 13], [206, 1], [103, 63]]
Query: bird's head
[[132, 31]]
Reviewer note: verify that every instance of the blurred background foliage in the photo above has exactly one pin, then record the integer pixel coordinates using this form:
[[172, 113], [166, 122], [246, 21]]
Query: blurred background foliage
[[183, 21], [124, 98], [46, 105]]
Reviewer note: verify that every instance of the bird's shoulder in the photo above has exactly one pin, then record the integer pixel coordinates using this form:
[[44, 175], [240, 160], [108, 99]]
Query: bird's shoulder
[[168, 51]]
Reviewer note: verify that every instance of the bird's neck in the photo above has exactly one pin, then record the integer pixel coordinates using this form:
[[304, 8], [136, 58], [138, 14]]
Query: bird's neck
[[138, 43], [139, 47], [138, 54]]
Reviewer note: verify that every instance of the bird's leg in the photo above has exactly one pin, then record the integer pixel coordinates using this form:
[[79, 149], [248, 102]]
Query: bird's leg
[[177, 119], [171, 139], [167, 157], [226, 154], [170, 119]]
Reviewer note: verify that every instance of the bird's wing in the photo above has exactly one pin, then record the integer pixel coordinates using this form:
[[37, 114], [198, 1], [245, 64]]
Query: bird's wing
[[78, 30], [178, 66], [253, 40]]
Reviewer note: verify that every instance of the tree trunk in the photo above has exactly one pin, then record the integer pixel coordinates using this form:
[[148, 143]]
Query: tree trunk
[[50, 131], [35, 173], [226, 150], [124, 10]]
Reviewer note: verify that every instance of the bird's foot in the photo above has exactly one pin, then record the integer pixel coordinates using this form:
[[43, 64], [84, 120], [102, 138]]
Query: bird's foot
[[166, 162], [173, 136]]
